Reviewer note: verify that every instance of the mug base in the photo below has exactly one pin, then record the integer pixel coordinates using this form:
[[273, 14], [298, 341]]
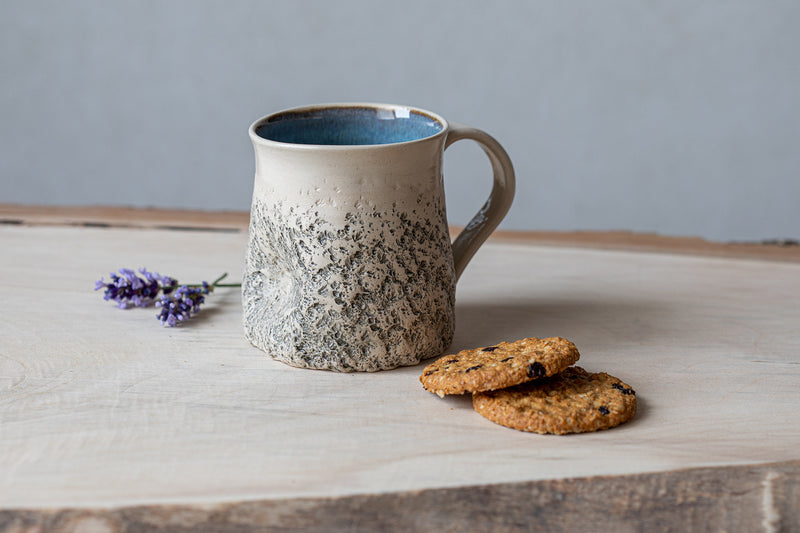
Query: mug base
[[341, 362]]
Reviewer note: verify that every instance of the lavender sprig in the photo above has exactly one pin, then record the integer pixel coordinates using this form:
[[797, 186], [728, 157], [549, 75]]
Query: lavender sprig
[[126, 288], [180, 306], [177, 304]]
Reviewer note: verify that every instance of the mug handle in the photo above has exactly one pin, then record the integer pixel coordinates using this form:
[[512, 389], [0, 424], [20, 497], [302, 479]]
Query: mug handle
[[489, 216]]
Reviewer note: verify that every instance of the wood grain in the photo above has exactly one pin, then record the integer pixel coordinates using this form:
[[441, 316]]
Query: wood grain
[[120, 217], [108, 420], [99, 216], [741, 498]]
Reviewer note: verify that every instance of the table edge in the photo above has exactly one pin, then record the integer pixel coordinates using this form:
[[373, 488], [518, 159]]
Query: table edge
[[237, 221], [731, 498]]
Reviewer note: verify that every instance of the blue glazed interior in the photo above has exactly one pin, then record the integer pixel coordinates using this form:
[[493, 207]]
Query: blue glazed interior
[[348, 126]]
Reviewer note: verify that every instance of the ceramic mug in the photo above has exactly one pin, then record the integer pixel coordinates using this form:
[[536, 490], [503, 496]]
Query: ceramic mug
[[349, 262]]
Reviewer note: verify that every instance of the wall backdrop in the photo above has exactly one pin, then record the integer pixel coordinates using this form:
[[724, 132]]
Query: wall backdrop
[[680, 117]]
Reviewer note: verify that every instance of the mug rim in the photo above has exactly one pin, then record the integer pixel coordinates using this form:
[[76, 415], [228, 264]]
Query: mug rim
[[258, 139]]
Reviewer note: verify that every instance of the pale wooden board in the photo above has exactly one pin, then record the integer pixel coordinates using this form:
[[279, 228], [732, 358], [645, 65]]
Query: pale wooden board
[[104, 408]]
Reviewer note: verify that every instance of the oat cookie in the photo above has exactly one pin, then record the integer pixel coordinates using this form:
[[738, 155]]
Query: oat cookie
[[574, 401], [496, 367]]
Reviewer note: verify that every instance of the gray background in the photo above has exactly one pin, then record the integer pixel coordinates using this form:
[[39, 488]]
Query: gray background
[[676, 117]]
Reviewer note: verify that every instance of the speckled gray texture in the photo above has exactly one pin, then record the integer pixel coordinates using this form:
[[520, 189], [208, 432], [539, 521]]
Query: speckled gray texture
[[371, 291]]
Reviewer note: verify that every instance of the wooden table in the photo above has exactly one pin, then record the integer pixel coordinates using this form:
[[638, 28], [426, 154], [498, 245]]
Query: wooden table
[[110, 422]]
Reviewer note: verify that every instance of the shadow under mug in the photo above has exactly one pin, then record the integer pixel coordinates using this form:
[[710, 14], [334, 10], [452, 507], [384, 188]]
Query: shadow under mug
[[349, 263]]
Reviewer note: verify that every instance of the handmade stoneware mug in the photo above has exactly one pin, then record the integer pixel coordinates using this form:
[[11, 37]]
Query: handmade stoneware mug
[[349, 263]]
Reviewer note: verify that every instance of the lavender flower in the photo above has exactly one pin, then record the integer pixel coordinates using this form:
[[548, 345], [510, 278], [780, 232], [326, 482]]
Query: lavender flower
[[182, 305], [126, 288], [177, 303]]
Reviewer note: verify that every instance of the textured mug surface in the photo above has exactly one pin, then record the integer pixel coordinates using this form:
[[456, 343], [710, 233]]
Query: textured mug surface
[[349, 264]]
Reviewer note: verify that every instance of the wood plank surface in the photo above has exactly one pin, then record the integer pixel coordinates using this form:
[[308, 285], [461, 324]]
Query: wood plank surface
[[777, 249], [738, 498], [108, 420], [120, 217]]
